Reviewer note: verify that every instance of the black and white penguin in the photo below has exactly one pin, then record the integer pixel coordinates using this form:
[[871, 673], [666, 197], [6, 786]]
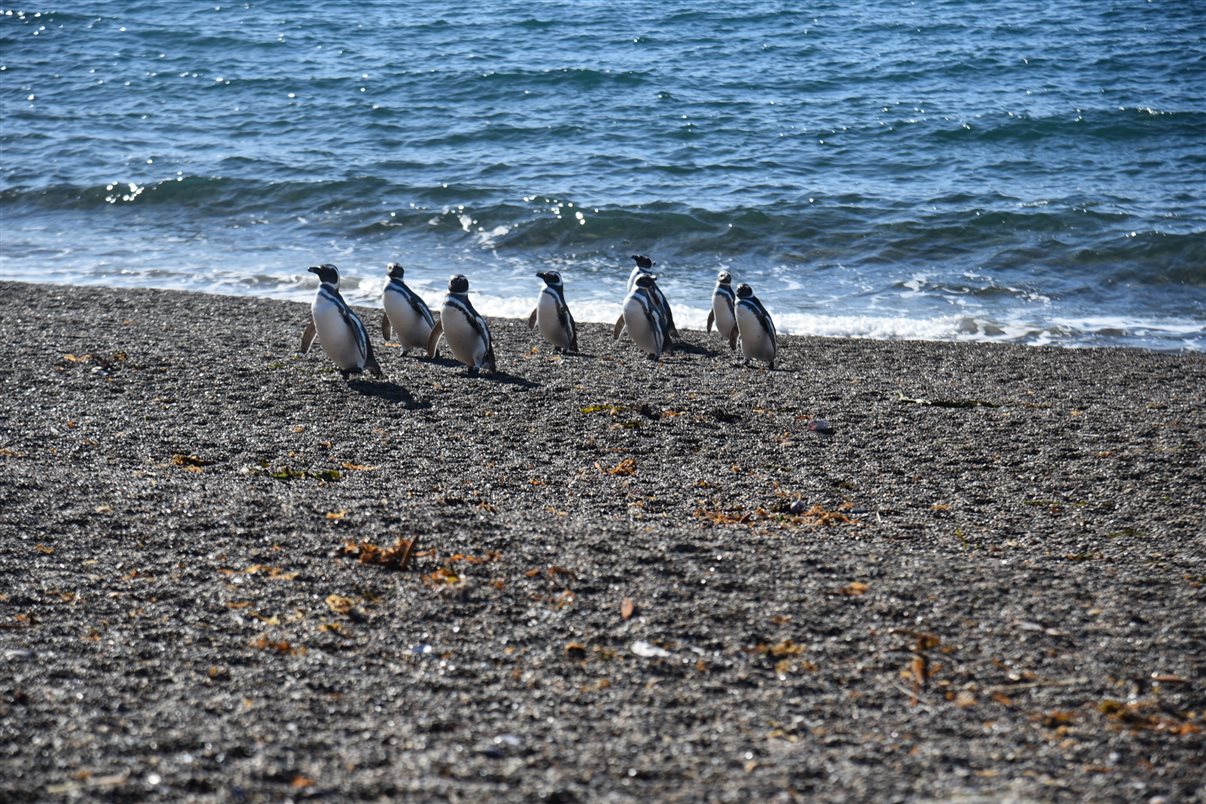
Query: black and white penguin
[[553, 315], [755, 327], [723, 300], [644, 267], [340, 331], [464, 329], [406, 311], [643, 318]]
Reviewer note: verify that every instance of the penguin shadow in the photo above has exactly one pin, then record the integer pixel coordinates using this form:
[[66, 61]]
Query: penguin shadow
[[543, 349], [687, 347], [440, 360], [500, 377], [503, 378], [388, 391]]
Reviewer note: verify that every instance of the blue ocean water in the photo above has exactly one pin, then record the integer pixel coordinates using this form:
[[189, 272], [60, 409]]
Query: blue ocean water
[[996, 170]]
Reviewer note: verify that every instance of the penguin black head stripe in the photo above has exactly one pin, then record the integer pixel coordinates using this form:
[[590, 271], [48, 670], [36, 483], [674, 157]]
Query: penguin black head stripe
[[457, 283], [326, 273], [644, 263], [744, 291], [395, 270], [646, 280], [724, 278]]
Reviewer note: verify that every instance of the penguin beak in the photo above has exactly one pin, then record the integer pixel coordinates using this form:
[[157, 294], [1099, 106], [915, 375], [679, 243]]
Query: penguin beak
[[314, 269], [542, 275]]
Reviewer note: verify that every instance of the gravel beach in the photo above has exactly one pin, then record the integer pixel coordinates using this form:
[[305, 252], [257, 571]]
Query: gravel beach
[[226, 574]]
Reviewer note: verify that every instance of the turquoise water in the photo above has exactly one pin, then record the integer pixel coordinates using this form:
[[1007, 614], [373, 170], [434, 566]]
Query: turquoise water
[[1001, 171]]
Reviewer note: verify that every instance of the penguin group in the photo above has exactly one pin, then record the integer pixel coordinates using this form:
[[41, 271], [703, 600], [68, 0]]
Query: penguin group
[[737, 314]]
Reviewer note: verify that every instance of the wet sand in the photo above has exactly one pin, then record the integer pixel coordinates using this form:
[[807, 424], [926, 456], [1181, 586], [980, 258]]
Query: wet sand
[[998, 594]]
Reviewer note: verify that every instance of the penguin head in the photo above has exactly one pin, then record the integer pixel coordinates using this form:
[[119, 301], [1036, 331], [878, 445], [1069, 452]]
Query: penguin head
[[646, 280], [327, 274], [724, 278], [644, 263], [551, 278], [395, 270], [744, 291], [457, 283]]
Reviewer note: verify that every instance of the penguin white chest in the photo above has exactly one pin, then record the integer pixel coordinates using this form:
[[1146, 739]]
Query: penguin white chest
[[337, 335], [645, 330], [722, 314], [549, 320], [410, 327], [756, 342], [466, 343]]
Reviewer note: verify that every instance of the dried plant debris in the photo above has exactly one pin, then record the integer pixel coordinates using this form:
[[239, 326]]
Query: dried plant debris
[[280, 646], [265, 570], [1149, 715], [396, 556], [266, 469], [102, 361], [190, 462], [796, 515], [615, 409]]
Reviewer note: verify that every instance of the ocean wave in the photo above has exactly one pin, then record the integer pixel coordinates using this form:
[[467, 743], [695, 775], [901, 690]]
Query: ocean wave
[[1079, 126], [961, 230]]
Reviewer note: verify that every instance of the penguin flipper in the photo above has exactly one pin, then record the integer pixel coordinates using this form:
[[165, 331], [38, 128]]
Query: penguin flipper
[[733, 337], [711, 318], [615, 334], [434, 338], [308, 336], [532, 319], [385, 326]]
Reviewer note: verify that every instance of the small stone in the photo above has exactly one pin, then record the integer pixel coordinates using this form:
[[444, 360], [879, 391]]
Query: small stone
[[647, 650]]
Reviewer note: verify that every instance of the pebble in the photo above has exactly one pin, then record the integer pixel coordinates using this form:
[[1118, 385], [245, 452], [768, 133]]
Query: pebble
[[649, 651]]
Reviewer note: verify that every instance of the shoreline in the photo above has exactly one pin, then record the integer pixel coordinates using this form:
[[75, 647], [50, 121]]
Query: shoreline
[[610, 595], [691, 309]]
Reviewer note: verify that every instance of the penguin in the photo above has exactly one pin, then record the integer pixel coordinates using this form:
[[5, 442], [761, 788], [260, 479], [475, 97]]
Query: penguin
[[644, 266], [755, 327], [408, 314], [723, 300], [642, 318], [341, 333], [552, 314], [464, 329]]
